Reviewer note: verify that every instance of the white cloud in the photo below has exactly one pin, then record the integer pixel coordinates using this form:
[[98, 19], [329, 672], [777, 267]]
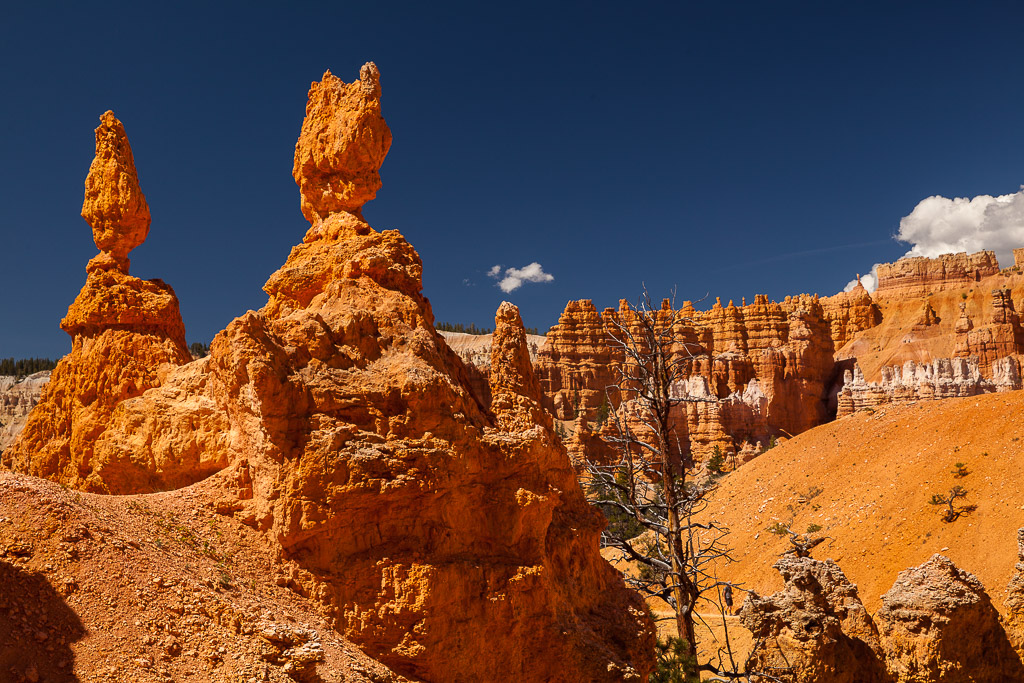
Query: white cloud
[[515, 277], [939, 225]]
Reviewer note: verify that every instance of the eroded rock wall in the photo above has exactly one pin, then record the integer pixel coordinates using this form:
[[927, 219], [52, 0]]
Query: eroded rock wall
[[942, 378], [917, 276], [749, 372]]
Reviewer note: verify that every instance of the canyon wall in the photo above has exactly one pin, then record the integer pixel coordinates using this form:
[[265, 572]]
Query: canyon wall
[[765, 370], [749, 373]]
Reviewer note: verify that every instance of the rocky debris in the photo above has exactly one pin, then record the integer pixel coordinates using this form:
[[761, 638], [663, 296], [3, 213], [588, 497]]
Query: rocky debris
[[938, 624], [998, 337], [127, 333], [815, 629], [165, 588], [296, 650], [769, 364], [917, 276], [346, 430], [941, 378], [18, 396]]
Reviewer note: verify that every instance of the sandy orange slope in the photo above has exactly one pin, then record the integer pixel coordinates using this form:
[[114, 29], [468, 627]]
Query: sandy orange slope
[[876, 474]]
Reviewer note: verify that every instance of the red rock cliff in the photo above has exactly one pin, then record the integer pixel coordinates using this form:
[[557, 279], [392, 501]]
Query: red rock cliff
[[917, 276]]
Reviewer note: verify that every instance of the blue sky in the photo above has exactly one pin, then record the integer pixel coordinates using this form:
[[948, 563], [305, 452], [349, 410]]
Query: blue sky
[[722, 148]]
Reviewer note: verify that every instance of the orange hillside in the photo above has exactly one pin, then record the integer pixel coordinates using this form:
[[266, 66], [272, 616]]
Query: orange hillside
[[867, 480]]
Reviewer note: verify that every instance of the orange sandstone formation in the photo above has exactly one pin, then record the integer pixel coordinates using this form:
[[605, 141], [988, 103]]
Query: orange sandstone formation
[[127, 333], [917, 276], [338, 160], [753, 372], [1000, 336], [348, 431], [937, 623], [849, 313]]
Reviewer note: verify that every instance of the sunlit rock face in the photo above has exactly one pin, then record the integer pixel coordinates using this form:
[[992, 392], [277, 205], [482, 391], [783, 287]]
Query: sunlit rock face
[[338, 421], [750, 372], [127, 333], [937, 623]]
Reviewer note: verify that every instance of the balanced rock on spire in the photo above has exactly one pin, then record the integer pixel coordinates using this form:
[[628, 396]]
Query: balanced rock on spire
[[114, 204], [342, 145], [127, 333]]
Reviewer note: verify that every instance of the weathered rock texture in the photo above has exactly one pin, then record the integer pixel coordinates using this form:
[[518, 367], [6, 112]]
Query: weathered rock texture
[[849, 313], [1000, 335], [752, 371], [18, 396], [475, 352], [817, 627], [127, 333], [338, 159], [942, 378], [348, 432], [938, 624], [1014, 602], [917, 276]]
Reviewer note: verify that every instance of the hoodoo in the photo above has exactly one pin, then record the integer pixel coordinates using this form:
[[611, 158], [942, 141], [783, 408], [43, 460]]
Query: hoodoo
[[346, 429], [127, 333]]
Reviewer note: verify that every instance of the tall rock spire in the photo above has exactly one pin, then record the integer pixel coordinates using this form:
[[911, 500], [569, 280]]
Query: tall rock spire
[[114, 204]]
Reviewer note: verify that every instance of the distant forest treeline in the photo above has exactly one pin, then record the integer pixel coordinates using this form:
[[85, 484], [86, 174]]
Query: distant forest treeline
[[473, 329], [25, 366]]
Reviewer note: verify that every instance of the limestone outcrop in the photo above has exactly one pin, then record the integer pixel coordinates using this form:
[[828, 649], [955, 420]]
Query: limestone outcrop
[[127, 333], [917, 276], [18, 396], [937, 623], [941, 378], [347, 431], [816, 629]]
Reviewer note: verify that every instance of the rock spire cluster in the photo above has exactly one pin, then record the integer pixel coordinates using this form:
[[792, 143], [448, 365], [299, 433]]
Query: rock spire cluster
[[338, 422]]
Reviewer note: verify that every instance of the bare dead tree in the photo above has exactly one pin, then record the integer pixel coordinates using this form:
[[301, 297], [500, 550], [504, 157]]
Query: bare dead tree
[[652, 493]]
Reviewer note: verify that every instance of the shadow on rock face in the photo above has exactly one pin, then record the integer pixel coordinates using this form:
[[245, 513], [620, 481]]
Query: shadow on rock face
[[37, 629]]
